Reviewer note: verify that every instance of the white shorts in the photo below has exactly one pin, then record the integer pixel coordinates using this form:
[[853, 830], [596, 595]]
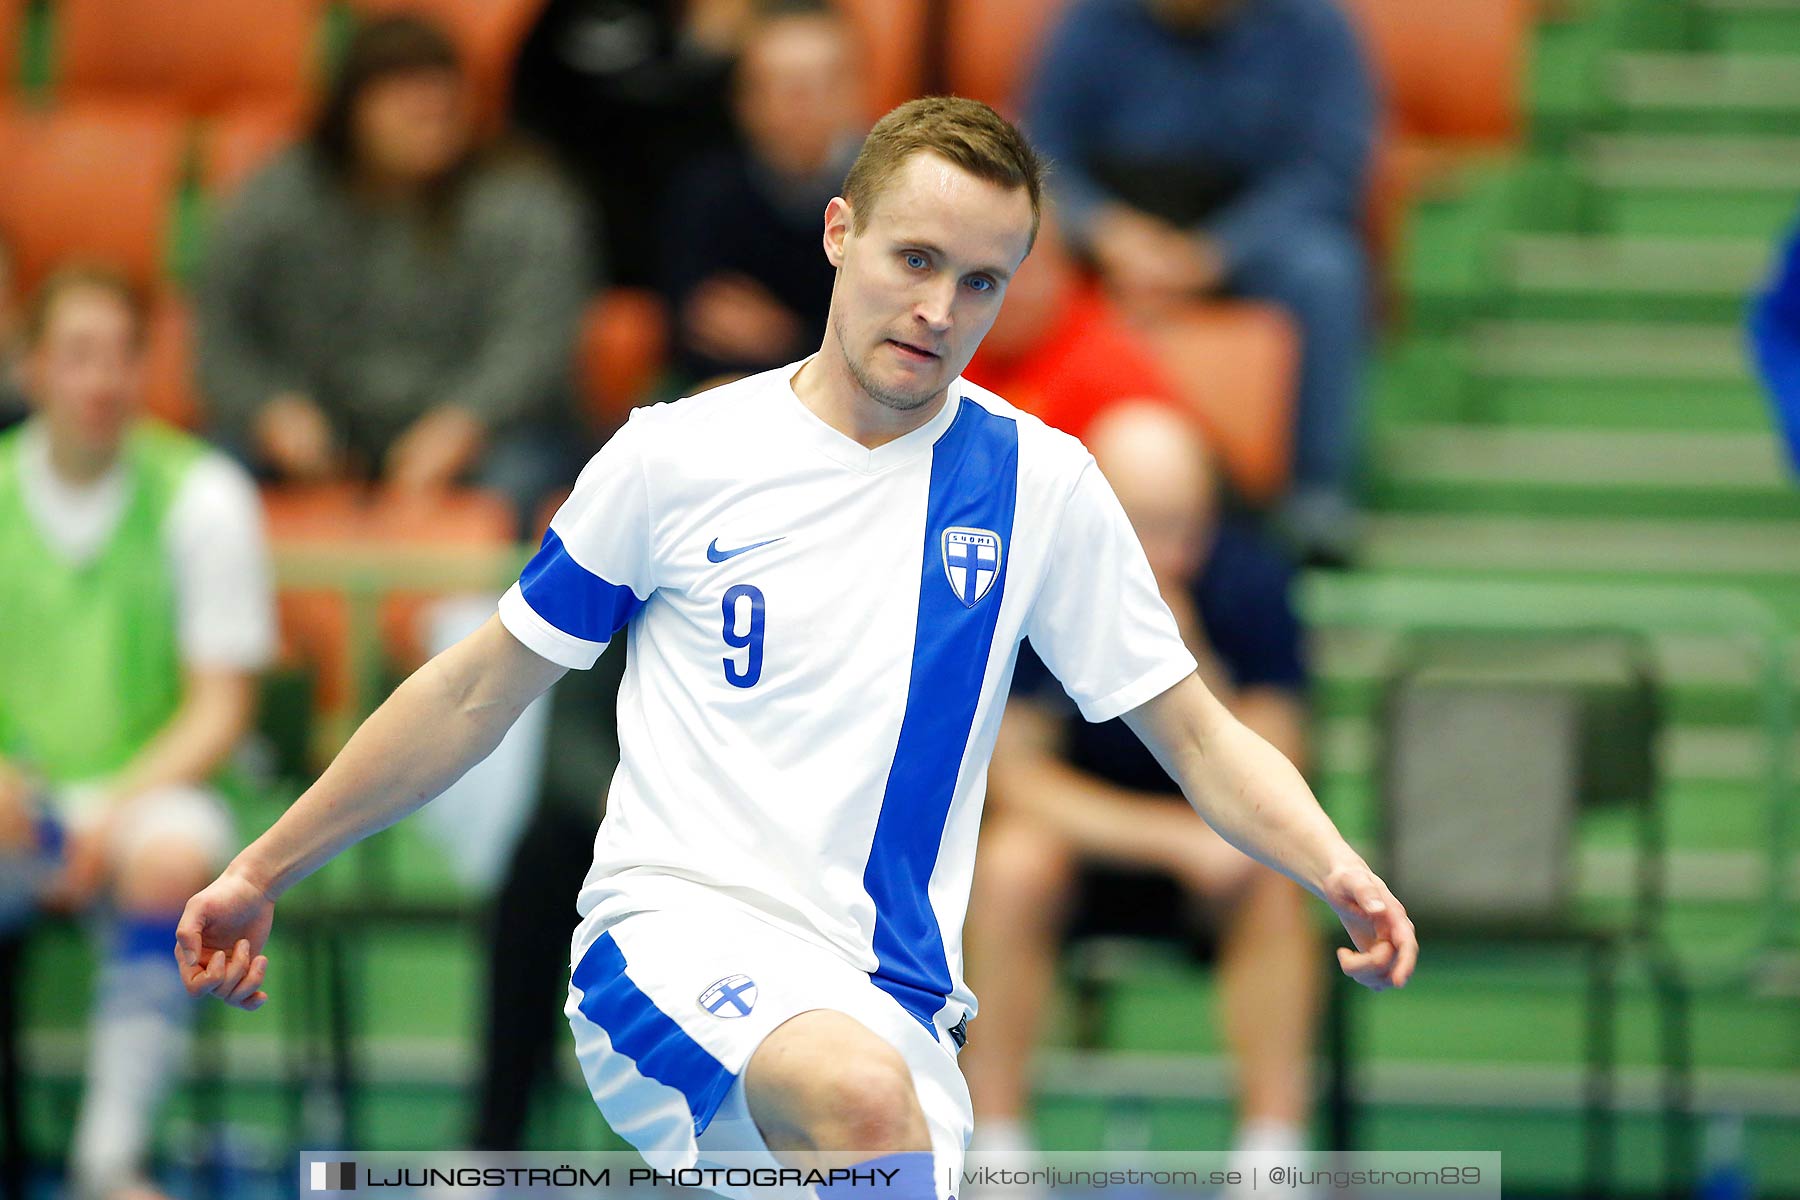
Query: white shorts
[[197, 815], [667, 1008]]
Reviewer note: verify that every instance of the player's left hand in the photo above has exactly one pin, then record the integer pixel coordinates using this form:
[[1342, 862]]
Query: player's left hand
[[1387, 949], [219, 941]]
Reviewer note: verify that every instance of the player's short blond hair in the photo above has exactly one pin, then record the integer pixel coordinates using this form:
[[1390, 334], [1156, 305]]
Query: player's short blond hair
[[966, 132]]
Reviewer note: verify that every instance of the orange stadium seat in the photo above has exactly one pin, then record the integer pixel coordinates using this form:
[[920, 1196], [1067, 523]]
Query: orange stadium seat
[[235, 144], [315, 623], [94, 182], [1410, 43], [197, 54], [993, 45], [465, 519], [488, 32], [169, 390], [891, 37], [624, 344], [1235, 364]]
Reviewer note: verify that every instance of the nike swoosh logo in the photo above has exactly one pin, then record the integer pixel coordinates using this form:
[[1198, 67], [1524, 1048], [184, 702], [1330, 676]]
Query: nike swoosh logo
[[714, 554]]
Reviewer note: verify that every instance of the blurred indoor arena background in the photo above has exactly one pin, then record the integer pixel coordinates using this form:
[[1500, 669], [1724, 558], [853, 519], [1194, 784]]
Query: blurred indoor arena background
[[1546, 540]]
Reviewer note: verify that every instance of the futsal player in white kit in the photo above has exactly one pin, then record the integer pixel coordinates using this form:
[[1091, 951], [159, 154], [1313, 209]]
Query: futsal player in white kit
[[824, 573]]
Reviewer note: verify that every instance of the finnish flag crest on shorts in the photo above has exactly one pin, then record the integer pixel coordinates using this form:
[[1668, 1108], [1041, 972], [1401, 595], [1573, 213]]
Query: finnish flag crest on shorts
[[732, 996], [971, 562]]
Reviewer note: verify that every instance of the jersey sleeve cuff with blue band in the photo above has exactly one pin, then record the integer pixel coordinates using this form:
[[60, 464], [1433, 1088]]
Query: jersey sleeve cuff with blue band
[[563, 611], [1147, 686], [543, 638]]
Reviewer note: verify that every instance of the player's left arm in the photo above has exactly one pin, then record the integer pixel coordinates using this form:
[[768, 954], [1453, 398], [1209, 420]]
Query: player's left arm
[[1258, 801]]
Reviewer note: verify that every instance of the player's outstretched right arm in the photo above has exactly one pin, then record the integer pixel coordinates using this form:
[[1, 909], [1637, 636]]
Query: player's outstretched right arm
[[443, 720]]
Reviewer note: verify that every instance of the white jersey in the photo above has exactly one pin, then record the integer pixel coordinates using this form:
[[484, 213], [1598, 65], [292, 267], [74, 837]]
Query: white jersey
[[821, 641]]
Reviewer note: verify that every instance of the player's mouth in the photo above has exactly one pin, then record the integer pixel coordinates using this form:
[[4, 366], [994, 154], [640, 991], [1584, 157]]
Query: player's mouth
[[912, 353]]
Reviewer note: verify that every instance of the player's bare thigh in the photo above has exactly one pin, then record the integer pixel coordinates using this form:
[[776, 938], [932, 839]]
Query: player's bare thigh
[[823, 1081]]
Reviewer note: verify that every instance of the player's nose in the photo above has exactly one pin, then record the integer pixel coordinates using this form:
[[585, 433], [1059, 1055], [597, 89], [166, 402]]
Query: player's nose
[[933, 307]]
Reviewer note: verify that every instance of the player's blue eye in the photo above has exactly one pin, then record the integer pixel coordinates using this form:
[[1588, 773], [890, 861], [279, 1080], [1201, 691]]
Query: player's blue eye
[[915, 261], [982, 283]]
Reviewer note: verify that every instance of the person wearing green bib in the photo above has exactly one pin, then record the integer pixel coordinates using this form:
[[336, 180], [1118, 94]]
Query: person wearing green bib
[[135, 612]]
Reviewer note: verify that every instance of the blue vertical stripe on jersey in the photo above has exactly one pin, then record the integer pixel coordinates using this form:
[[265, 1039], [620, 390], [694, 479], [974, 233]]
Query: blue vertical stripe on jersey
[[647, 1035], [974, 483], [573, 598]]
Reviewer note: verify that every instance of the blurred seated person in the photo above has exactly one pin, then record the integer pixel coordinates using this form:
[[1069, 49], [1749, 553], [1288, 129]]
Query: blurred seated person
[[626, 92], [1222, 145], [134, 583], [1775, 335], [1086, 833], [744, 275], [390, 300], [1060, 349], [12, 359]]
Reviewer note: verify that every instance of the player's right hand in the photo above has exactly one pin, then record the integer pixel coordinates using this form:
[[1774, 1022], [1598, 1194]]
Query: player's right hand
[[1387, 946], [218, 944]]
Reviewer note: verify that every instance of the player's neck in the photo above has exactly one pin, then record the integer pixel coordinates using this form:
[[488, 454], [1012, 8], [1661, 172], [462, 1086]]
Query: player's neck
[[826, 386]]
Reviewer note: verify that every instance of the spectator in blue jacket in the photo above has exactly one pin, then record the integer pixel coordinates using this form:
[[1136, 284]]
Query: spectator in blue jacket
[[1775, 337], [1206, 146]]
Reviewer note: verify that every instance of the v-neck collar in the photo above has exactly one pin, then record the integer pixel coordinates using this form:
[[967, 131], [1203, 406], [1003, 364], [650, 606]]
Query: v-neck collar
[[842, 448]]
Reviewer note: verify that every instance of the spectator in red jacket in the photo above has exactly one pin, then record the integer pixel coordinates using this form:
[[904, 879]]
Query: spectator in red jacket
[[1059, 349]]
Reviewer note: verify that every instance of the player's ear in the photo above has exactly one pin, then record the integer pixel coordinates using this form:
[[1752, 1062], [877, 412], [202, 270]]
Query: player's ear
[[838, 215]]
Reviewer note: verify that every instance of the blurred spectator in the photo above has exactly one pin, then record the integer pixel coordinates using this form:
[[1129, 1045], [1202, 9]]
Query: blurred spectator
[[390, 299], [12, 364], [1775, 332], [1204, 145], [748, 282], [1086, 833], [1059, 349], [135, 584], [627, 91]]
